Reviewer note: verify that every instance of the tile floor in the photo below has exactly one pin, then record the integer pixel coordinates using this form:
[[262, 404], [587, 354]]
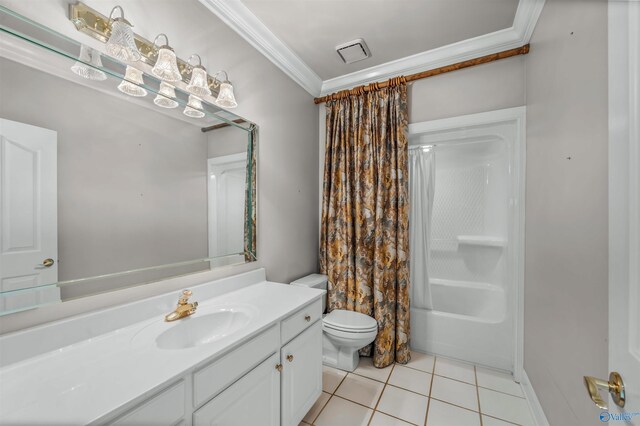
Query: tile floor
[[433, 391]]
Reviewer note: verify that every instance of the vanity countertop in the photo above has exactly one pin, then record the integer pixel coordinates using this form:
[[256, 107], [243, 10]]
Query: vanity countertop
[[83, 382]]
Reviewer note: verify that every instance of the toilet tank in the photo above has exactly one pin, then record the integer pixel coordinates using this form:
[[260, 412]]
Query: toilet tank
[[318, 281]]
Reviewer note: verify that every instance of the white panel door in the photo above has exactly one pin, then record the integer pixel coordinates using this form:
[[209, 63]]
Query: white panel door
[[252, 400], [28, 209], [301, 374], [227, 183], [624, 207]]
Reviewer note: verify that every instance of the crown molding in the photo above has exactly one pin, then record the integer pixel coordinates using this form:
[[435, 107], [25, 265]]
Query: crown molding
[[244, 22], [237, 16]]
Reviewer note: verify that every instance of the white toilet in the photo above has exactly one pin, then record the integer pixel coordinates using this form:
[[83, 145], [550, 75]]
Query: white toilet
[[344, 332]]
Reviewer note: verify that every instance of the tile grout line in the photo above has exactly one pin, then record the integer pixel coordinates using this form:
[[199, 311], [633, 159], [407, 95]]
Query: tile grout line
[[456, 380], [409, 390], [327, 403], [429, 396], [321, 410], [454, 404], [506, 421], [502, 392], [475, 374], [323, 407], [433, 373], [375, 408]]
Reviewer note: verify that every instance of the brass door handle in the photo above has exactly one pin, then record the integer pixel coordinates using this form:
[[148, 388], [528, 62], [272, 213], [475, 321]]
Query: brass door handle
[[615, 386], [47, 263], [290, 358], [279, 367]]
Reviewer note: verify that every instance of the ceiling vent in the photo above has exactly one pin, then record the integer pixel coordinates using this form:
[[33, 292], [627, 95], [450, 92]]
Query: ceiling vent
[[353, 51]]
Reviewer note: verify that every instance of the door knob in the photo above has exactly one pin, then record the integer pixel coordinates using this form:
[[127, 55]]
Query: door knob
[[615, 386], [279, 367], [307, 318], [47, 263], [290, 358]]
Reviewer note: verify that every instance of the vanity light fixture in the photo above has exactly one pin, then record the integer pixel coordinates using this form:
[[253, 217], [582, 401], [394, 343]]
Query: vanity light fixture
[[121, 44], [166, 96], [199, 84], [225, 98], [90, 72], [194, 107], [117, 33], [130, 84], [166, 66]]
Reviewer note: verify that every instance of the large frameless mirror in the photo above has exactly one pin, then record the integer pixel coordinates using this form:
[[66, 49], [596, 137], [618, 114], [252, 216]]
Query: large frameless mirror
[[109, 177]]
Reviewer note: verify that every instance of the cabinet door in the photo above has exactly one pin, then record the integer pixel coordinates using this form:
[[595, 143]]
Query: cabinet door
[[252, 400], [301, 374]]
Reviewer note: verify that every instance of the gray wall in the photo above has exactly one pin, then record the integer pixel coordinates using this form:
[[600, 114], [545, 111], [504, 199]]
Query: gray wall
[[287, 147], [132, 189], [226, 141], [488, 87], [566, 207]]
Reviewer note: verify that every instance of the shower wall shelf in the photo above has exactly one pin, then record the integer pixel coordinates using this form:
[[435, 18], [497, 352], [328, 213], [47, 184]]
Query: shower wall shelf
[[481, 240]]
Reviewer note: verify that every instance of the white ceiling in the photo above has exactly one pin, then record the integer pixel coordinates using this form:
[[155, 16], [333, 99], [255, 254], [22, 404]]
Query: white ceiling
[[405, 36], [392, 29]]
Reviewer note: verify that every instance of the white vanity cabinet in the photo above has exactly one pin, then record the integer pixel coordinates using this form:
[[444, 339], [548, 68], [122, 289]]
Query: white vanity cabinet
[[301, 374], [266, 372], [280, 390], [252, 400]]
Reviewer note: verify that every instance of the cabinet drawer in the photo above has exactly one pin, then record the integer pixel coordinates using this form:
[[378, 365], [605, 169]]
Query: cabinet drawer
[[166, 408], [213, 378], [300, 320]]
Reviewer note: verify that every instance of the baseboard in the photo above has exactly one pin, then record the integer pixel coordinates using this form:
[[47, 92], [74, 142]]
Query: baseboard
[[532, 400]]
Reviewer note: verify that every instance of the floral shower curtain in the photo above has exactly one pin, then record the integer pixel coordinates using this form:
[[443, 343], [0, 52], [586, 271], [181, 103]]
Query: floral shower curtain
[[364, 245]]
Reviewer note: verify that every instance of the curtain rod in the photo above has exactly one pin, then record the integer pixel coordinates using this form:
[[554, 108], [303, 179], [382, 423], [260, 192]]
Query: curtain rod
[[222, 125], [523, 50]]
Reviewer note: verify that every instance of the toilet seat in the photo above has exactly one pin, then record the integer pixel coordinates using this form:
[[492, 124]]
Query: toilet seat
[[349, 321]]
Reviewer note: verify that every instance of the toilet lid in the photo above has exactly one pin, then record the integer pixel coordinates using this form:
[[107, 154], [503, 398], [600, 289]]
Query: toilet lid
[[340, 319]]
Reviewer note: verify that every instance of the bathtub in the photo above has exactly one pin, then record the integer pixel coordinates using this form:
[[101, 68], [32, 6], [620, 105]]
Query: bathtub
[[468, 322]]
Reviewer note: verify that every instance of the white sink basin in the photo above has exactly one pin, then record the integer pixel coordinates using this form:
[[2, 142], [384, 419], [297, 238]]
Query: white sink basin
[[205, 326], [199, 330]]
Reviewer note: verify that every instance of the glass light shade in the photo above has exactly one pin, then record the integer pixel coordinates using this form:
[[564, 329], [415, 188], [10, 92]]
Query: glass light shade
[[225, 97], [166, 66], [165, 98], [132, 78], [194, 108], [199, 84], [92, 57], [121, 44]]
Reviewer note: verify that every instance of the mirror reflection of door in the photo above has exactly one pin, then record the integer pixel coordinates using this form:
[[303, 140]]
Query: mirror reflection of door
[[28, 216], [226, 186]]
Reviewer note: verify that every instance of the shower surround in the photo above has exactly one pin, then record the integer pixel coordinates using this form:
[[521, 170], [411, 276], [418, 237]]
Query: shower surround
[[467, 243]]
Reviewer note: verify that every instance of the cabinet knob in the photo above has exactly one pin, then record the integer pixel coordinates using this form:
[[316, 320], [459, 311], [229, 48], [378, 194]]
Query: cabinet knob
[[290, 358], [279, 367], [307, 318]]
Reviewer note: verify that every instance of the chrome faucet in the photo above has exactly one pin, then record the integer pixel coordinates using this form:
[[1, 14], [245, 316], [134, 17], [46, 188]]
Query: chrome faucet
[[184, 308]]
